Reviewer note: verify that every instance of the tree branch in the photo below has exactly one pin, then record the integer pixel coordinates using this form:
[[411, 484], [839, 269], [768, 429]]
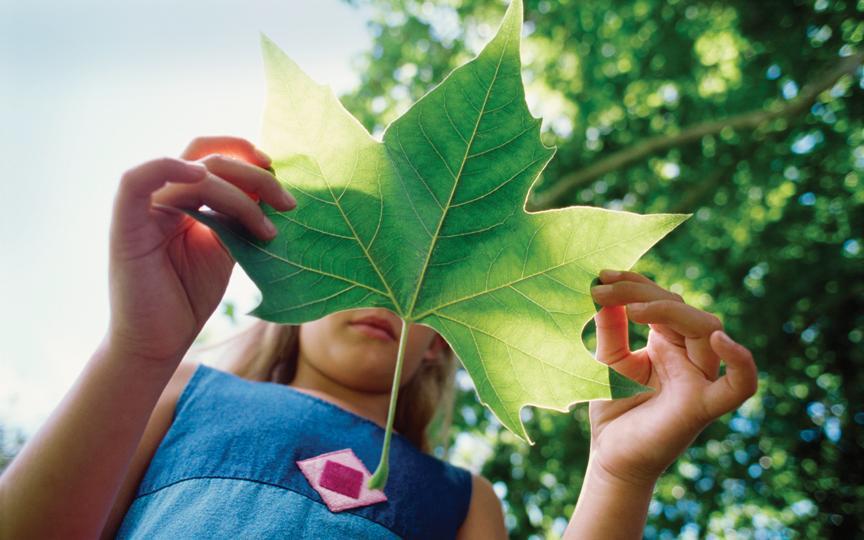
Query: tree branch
[[750, 120]]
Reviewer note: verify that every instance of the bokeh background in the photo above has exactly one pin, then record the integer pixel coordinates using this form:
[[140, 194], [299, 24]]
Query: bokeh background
[[746, 114]]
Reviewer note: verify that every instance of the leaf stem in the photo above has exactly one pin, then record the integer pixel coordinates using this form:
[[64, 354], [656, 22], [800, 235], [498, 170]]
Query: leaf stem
[[379, 479]]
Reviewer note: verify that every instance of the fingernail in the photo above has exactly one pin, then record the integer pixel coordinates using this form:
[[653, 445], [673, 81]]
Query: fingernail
[[271, 229], [289, 199], [262, 156], [724, 337], [609, 274], [198, 168], [602, 289], [637, 305]]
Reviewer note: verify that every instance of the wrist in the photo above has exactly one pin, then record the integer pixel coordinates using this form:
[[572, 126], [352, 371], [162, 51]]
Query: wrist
[[116, 347], [608, 479], [604, 498]]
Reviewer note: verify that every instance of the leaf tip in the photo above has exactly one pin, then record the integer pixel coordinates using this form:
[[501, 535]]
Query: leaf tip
[[267, 44], [519, 430], [510, 28], [682, 217]]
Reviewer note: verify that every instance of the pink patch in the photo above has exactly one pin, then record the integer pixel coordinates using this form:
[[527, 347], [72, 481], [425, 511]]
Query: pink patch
[[340, 478]]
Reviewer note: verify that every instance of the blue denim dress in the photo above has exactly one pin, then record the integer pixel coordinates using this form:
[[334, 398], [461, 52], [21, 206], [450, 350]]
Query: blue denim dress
[[227, 468]]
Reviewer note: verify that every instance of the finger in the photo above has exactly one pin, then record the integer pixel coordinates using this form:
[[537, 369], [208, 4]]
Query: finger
[[222, 197], [231, 146], [613, 342], [669, 334], [693, 324], [250, 179], [668, 360], [686, 320], [133, 199], [740, 381], [627, 292], [613, 347], [611, 276]]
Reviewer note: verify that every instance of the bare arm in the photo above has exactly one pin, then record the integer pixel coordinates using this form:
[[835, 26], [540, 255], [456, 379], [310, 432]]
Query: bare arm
[[65, 479], [167, 274], [485, 517], [160, 422], [608, 508]]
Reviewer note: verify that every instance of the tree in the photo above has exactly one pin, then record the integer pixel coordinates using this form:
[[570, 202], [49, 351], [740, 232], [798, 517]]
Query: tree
[[747, 115], [11, 441]]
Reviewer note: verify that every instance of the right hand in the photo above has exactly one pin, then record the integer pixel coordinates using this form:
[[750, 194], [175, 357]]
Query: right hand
[[167, 271], [634, 439]]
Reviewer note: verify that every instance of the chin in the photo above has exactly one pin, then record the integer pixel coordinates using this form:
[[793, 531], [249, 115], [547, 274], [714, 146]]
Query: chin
[[374, 382], [365, 371]]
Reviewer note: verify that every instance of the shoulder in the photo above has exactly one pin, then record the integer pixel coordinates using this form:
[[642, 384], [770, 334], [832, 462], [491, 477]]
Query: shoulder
[[184, 372], [485, 517], [168, 400]]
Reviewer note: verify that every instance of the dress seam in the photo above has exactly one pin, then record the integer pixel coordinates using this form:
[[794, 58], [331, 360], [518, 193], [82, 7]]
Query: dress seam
[[313, 399], [142, 495]]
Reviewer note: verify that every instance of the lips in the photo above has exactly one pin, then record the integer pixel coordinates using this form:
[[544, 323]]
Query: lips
[[377, 322]]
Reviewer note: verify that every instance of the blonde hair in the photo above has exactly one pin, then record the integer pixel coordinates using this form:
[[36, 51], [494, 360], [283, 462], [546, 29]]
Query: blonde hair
[[269, 352]]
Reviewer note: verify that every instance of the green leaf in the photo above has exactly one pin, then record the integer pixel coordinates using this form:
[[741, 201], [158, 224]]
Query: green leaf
[[430, 223]]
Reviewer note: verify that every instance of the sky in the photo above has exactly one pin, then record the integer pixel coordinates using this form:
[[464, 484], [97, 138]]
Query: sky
[[89, 89]]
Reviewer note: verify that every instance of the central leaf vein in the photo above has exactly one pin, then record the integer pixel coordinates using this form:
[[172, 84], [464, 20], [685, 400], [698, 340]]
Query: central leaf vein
[[458, 174]]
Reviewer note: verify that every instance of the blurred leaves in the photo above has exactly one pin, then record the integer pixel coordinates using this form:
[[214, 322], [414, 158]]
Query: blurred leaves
[[11, 441], [775, 247]]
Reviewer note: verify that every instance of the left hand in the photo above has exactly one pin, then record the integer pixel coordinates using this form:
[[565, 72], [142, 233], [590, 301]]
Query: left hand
[[635, 439]]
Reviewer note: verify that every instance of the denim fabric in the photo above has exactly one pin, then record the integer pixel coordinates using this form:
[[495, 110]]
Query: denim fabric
[[227, 469]]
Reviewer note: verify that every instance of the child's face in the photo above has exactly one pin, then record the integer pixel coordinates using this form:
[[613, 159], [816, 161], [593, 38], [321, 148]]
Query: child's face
[[352, 355]]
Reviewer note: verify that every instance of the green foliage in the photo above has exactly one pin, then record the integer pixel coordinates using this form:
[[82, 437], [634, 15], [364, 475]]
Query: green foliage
[[11, 441], [775, 247]]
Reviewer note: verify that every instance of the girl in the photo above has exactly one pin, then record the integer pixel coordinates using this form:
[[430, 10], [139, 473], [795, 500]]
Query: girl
[[249, 452]]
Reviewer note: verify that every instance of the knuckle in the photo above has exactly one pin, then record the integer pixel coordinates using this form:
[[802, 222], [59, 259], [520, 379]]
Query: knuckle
[[164, 161], [633, 276], [714, 322], [248, 207], [747, 356], [213, 159], [753, 387], [703, 413], [623, 287], [664, 307], [128, 177]]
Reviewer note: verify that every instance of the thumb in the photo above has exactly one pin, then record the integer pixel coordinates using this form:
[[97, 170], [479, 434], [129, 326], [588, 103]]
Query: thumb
[[740, 381]]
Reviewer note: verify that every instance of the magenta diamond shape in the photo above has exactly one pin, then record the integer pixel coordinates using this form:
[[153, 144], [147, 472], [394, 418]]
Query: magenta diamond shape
[[340, 479]]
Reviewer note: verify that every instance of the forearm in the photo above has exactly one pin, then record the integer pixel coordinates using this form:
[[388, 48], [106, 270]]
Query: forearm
[[609, 508], [65, 479]]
